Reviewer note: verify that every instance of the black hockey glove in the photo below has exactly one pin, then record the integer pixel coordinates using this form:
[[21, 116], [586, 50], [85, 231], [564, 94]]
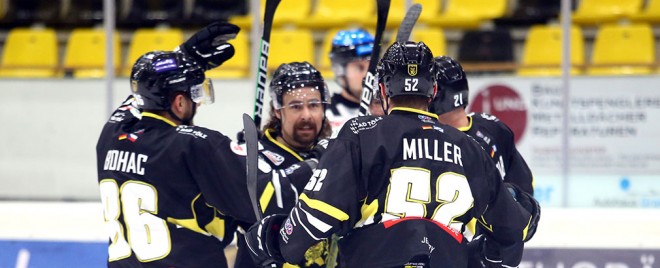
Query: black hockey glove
[[320, 148], [261, 240], [240, 136], [483, 253], [209, 45], [528, 202]]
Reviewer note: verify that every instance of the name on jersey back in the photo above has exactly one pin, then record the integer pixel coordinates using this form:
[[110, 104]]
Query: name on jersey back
[[422, 148]]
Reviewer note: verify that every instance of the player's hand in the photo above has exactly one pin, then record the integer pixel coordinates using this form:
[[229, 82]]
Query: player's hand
[[240, 136], [209, 45], [483, 253], [320, 148], [530, 204], [261, 240]]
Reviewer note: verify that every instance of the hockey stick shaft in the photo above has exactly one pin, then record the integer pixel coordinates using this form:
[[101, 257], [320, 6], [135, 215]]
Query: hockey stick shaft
[[251, 162], [408, 23], [262, 70], [383, 7]]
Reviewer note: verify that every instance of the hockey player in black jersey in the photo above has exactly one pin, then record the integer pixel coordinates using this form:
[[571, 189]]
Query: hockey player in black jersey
[[399, 188], [350, 53], [491, 133], [297, 122]]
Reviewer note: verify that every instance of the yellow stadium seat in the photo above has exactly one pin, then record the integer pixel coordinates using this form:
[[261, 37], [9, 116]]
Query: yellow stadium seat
[[542, 54], [30, 53], [468, 14], [649, 14], [324, 65], [288, 12], [290, 45], [630, 47], [85, 53], [149, 39], [602, 11], [341, 13], [239, 65], [434, 38], [430, 10]]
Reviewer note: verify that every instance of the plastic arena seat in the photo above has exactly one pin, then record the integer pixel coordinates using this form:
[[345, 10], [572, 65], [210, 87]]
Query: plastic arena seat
[[629, 48], [341, 13], [149, 39], [602, 11], [650, 14], [149, 13], [531, 12], [430, 10], [434, 38], [290, 45], [85, 53], [468, 14], [29, 53], [288, 13], [239, 65], [542, 52], [486, 50]]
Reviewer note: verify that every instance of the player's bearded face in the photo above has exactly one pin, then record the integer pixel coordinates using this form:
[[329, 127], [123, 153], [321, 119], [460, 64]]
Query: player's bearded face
[[301, 115]]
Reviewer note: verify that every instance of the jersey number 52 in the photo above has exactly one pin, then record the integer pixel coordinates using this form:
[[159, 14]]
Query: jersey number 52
[[409, 194]]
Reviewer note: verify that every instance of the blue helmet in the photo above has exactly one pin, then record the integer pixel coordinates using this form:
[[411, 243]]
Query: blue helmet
[[350, 45]]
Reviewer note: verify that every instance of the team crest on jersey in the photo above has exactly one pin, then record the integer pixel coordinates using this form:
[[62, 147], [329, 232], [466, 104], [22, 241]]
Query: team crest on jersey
[[412, 69], [273, 157], [356, 126], [131, 136]]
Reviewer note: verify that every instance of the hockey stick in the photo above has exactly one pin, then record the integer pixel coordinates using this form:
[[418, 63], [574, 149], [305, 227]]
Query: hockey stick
[[406, 27], [383, 7], [252, 161], [264, 48]]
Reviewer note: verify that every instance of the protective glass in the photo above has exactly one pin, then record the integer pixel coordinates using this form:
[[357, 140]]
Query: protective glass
[[203, 93]]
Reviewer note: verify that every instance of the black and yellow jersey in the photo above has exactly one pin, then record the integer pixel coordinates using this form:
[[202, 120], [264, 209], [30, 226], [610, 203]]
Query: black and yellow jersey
[[171, 194], [283, 178], [498, 141], [400, 188]]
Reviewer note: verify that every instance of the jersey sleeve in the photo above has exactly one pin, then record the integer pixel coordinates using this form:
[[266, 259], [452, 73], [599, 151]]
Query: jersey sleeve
[[329, 203], [517, 170], [503, 219]]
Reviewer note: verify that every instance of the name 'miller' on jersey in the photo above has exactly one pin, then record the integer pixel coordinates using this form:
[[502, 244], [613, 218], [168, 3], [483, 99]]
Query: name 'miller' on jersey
[[123, 161], [430, 149]]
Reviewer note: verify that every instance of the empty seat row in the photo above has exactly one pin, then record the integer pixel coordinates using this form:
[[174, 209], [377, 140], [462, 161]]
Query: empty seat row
[[617, 49]]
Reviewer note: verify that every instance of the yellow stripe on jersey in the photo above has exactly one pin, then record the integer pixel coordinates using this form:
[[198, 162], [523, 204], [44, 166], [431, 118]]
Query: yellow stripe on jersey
[[279, 144], [413, 110], [324, 207], [153, 115], [216, 227], [368, 211], [468, 127], [472, 226], [266, 196], [526, 228]]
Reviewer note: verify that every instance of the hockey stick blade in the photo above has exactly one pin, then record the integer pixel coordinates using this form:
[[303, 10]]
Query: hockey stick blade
[[369, 81], [406, 27], [251, 162], [262, 64]]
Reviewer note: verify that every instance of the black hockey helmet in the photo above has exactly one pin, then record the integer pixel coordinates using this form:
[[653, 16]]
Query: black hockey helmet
[[452, 86], [158, 75], [407, 69], [290, 76]]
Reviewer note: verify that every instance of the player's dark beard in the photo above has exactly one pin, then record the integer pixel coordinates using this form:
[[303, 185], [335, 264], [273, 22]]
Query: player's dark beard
[[304, 140]]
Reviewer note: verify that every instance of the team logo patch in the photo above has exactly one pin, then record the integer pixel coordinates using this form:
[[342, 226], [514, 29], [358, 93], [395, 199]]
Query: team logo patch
[[356, 126], [288, 228], [273, 157], [426, 119], [412, 69]]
